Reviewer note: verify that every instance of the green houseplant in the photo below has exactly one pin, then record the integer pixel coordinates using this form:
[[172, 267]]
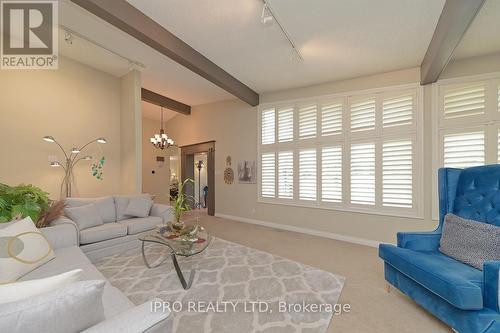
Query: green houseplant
[[182, 203], [18, 202]]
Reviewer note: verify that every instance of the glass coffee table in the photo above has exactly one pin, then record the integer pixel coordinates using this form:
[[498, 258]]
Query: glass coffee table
[[178, 247]]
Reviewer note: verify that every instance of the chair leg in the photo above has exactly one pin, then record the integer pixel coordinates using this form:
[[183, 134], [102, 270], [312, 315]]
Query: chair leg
[[388, 288]]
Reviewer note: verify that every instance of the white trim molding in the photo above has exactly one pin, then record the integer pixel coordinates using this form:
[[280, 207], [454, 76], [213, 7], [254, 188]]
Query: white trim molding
[[311, 232]]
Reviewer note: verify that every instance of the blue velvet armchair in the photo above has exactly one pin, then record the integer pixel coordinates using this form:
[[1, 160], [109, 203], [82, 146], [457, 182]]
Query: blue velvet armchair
[[465, 298]]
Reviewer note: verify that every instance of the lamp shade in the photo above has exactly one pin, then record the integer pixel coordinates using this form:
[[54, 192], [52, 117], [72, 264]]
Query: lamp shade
[[49, 138]]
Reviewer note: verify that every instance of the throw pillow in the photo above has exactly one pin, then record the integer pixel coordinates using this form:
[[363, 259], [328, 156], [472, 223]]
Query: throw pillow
[[121, 203], [85, 216], [72, 308], [138, 206], [105, 206], [12, 292], [469, 241], [22, 249]]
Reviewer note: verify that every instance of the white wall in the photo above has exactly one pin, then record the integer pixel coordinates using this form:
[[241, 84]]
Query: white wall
[[233, 125], [75, 104]]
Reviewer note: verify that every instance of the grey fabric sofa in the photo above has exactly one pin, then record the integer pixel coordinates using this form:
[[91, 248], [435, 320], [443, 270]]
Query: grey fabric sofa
[[120, 313], [119, 231]]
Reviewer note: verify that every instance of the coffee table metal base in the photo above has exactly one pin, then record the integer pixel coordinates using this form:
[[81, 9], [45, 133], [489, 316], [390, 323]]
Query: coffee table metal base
[[173, 256]]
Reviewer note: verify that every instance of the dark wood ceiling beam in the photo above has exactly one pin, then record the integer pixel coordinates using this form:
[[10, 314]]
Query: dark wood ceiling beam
[[129, 19], [168, 103], [454, 21]]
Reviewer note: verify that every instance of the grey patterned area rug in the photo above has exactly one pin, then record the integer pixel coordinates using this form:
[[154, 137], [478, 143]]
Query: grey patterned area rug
[[235, 289]]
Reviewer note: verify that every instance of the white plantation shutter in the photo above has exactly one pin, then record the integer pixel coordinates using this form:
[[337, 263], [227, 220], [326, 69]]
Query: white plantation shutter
[[363, 173], [464, 102], [498, 98], [268, 126], [331, 119], [285, 124], [267, 175], [307, 122], [307, 176], [397, 178], [331, 174], [463, 150], [285, 175], [363, 115], [397, 111]]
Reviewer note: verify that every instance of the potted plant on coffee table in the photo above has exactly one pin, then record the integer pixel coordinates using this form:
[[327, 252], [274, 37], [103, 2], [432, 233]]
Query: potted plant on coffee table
[[182, 203]]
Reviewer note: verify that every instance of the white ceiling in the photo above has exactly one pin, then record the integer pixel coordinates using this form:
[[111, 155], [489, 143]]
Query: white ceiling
[[338, 39], [161, 74], [483, 36]]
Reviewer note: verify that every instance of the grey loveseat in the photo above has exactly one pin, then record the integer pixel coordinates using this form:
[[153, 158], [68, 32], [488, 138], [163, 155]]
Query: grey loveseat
[[120, 313], [119, 231]]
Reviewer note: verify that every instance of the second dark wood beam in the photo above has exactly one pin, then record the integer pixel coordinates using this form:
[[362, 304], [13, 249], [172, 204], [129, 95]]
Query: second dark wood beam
[[168, 103]]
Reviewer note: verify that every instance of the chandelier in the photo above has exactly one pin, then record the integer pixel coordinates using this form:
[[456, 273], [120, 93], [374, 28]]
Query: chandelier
[[161, 141]]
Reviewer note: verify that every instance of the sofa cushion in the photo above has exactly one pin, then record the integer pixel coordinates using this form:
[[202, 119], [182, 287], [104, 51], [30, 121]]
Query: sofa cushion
[[459, 284], [140, 224], [121, 203], [85, 216], [105, 206], [102, 232]]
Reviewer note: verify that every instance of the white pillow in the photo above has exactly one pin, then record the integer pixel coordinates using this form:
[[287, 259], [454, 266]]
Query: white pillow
[[85, 216], [72, 308], [138, 206], [22, 249], [16, 291]]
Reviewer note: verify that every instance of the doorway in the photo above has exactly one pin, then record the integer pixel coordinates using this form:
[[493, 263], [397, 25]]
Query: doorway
[[191, 155]]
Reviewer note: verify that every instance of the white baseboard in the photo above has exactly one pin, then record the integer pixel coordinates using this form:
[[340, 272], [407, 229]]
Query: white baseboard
[[312, 232]]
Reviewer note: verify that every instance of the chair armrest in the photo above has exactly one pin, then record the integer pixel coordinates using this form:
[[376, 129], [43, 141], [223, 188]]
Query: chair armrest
[[163, 211], [419, 241], [62, 233], [139, 319], [491, 273], [493, 327]]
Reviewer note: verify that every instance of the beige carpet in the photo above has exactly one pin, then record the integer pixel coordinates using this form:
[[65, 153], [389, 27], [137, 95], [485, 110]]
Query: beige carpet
[[373, 309]]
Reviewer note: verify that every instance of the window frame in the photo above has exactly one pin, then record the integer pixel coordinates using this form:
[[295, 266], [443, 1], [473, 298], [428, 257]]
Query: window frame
[[344, 140], [489, 123]]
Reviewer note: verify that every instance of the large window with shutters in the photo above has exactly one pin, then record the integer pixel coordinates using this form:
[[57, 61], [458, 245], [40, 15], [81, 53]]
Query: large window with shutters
[[358, 151], [466, 124]]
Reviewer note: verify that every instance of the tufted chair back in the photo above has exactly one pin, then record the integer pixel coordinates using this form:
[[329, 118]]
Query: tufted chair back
[[478, 194]]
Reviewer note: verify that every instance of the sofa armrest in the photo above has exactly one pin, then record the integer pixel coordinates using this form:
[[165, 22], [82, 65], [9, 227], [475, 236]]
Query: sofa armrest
[[163, 211], [62, 233], [419, 241], [139, 319], [491, 273]]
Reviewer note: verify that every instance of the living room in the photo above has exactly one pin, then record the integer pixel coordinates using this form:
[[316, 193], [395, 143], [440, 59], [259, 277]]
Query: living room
[[254, 166]]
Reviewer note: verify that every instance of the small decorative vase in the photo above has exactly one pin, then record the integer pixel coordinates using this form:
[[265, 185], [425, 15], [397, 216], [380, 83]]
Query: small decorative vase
[[178, 225]]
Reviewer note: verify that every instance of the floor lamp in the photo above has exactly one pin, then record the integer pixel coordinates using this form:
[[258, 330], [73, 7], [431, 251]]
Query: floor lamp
[[70, 160], [199, 166]]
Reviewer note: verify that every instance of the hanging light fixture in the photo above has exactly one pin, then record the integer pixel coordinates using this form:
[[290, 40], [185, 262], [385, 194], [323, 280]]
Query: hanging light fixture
[[161, 141]]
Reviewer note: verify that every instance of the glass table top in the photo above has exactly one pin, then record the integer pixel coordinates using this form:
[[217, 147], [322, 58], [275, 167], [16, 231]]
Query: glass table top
[[181, 246]]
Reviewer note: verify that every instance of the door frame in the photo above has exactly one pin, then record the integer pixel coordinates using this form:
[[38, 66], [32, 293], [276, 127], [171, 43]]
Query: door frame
[[202, 147]]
